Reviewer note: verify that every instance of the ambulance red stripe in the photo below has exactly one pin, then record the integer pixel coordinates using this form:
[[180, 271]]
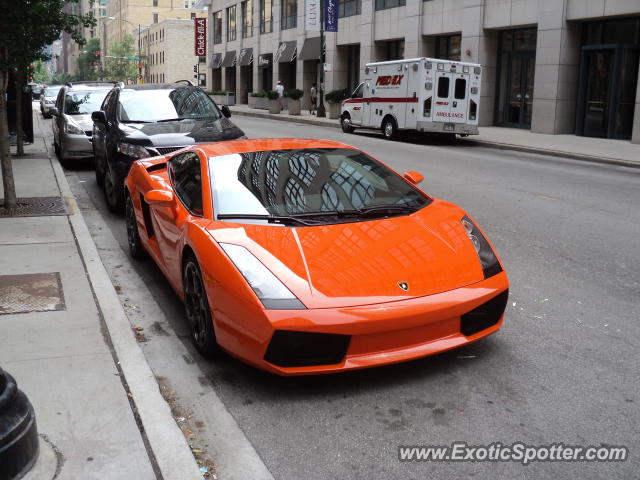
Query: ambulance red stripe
[[382, 100]]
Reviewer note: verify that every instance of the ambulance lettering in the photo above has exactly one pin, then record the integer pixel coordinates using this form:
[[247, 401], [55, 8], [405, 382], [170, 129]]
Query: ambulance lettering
[[385, 80], [449, 115]]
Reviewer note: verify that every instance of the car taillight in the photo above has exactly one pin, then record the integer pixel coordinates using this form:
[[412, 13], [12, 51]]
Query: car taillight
[[473, 107], [427, 107]]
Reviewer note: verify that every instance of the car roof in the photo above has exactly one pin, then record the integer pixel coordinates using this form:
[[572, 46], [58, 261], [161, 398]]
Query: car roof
[[157, 86], [265, 144]]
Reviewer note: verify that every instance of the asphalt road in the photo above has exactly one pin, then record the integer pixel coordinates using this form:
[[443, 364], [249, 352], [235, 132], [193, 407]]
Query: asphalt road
[[564, 369]]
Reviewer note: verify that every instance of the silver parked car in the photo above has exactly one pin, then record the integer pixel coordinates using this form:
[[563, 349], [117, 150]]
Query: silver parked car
[[72, 125], [48, 99]]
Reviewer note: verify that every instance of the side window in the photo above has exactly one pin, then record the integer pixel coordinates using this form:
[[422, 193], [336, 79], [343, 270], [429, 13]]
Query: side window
[[184, 171], [59, 99], [460, 89], [358, 92], [443, 87], [107, 105]]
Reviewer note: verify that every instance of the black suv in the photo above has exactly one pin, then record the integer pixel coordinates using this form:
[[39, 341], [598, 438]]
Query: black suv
[[139, 121]]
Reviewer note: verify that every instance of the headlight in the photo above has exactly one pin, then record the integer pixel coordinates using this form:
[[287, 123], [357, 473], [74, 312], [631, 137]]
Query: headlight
[[272, 292], [131, 150], [72, 129], [488, 260]]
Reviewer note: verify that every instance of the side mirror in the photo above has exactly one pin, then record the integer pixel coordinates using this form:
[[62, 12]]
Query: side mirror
[[159, 197], [414, 177], [99, 117], [225, 111], [54, 111]]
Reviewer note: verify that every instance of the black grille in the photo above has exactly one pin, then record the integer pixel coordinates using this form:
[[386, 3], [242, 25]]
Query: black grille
[[302, 349], [485, 315], [166, 150]]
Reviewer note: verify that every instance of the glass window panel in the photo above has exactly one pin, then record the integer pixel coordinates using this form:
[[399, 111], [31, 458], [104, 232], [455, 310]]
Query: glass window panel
[[460, 89], [443, 87]]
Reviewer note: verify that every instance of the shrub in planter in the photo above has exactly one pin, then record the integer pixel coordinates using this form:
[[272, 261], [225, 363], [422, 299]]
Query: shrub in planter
[[274, 101], [334, 99], [258, 100], [294, 96], [258, 94]]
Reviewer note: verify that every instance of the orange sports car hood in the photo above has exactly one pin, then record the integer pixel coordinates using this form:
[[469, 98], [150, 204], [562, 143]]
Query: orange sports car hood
[[366, 262]]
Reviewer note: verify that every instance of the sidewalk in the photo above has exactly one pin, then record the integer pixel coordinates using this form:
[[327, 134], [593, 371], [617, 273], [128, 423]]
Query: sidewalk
[[65, 338], [599, 150]]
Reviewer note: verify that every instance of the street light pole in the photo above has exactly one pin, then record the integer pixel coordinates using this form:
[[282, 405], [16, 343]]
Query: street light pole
[[321, 113]]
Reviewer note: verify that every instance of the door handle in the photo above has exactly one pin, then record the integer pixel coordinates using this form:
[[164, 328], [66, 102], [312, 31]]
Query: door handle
[[455, 104]]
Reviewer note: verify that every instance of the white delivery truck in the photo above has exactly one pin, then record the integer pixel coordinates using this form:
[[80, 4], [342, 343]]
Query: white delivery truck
[[417, 94]]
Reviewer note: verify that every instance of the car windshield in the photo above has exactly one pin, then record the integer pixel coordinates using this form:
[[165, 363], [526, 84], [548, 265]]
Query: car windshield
[[166, 104], [52, 91], [318, 185], [83, 102]]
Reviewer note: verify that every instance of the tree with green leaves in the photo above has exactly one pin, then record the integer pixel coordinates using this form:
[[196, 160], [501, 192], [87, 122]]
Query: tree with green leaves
[[40, 72], [120, 69], [26, 28], [89, 61]]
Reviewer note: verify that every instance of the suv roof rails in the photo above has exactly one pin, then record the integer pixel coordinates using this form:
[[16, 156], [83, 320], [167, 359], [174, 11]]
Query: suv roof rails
[[189, 82], [89, 83]]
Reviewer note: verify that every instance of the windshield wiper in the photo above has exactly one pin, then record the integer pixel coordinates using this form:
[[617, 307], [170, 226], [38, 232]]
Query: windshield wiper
[[177, 119], [360, 212], [387, 208], [268, 218], [136, 121]]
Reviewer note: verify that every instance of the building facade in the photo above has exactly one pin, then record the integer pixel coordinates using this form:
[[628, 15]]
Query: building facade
[[551, 66], [168, 51]]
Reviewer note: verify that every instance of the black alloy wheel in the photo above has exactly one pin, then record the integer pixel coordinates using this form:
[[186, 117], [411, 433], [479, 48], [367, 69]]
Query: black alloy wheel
[[345, 123], [196, 306], [136, 249], [389, 128]]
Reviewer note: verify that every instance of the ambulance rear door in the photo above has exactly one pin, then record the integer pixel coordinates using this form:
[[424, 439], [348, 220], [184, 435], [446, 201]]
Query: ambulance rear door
[[443, 93], [460, 98]]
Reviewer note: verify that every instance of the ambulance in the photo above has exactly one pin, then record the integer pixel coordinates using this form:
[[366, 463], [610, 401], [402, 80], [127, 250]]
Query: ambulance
[[418, 94]]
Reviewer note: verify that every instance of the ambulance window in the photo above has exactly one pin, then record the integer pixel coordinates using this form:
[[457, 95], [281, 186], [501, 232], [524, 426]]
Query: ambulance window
[[460, 88], [358, 91], [443, 87]]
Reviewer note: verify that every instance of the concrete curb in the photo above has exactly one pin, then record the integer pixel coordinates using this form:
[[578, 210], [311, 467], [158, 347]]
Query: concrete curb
[[479, 142], [168, 444]]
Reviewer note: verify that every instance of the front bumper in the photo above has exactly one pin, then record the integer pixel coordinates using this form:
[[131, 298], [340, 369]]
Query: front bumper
[[75, 146], [393, 332]]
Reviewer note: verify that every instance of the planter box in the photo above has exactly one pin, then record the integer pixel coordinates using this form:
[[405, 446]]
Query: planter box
[[294, 107], [274, 106], [334, 110], [258, 102], [228, 99]]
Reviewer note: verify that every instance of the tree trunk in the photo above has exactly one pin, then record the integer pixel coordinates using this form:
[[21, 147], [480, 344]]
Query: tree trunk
[[5, 157], [19, 131]]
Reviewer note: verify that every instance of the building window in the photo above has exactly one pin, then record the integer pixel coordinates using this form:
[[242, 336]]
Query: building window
[[349, 8], [289, 14], [193, 15], [155, 3], [393, 50], [246, 8], [384, 4], [266, 19], [103, 12], [186, 3], [231, 23], [448, 47], [155, 18], [217, 27]]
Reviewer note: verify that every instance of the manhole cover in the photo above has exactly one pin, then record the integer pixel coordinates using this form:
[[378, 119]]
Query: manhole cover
[[36, 207], [33, 292]]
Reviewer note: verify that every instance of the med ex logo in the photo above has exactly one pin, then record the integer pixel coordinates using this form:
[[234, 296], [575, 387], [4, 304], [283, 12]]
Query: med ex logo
[[384, 80]]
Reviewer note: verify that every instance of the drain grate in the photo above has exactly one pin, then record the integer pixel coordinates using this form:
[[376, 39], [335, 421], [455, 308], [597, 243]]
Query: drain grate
[[32, 292], [36, 207]]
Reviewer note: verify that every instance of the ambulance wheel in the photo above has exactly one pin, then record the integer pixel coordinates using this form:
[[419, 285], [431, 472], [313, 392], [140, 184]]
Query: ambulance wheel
[[389, 128], [345, 122]]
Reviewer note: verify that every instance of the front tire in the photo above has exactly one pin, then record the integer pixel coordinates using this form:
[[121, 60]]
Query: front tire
[[113, 193], [136, 249], [197, 310], [345, 123], [389, 128]]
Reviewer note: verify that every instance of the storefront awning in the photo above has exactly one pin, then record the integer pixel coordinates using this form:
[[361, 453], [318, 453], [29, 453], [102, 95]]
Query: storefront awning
[[264, 61], [246, 57], [310, 49], [286, 52], [229, 59], [216, 60]]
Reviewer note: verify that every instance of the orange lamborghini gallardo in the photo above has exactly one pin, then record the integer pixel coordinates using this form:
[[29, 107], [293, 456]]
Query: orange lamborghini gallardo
[[310, 256]]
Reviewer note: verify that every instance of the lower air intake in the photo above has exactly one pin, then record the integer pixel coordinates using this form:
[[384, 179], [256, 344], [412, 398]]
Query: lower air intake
[[485, 315], [304, 349]]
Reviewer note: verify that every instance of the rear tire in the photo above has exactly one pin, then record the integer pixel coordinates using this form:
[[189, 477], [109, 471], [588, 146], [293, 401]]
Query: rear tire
[[345, 123], [197, 310], [136, 249], [389, 128], [113, 193]]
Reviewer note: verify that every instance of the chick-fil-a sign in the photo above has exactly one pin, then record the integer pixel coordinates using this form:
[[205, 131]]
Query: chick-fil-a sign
[[200, 37]]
